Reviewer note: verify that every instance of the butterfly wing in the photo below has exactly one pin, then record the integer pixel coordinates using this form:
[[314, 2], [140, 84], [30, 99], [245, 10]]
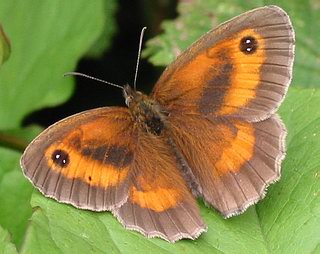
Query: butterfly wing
[[84, 159], [242, 68], [99, 160], [221, 95], [160, 203], [232, 161]]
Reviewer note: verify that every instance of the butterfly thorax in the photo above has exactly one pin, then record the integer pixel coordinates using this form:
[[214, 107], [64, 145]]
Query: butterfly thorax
[[146, 112]]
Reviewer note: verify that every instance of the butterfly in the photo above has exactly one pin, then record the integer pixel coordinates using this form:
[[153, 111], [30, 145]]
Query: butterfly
[[208, 129]]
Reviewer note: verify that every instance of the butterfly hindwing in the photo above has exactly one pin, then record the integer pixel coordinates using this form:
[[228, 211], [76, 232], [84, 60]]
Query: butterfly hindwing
[[241, 68], [232, 161], [85, 159], [160, 203]]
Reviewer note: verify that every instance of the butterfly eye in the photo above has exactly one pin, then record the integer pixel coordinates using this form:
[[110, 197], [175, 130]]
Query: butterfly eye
[[128, 99], [248, 45], [60, 158]]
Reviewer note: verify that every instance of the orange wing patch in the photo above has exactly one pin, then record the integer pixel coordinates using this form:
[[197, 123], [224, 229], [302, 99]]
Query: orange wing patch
[[239, 151], [233, 160], [74, 165], [220, 79], [246, 70], [159, 203], [220, 147], [157, 180], [84, 160], [153, 196], [93, 154]]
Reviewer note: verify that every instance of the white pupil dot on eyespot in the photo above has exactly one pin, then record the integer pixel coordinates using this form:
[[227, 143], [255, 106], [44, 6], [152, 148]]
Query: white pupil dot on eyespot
[[249, 49], [58, 156], [248, 41], [64, 161]]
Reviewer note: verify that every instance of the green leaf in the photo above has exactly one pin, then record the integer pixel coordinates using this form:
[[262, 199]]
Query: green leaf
[[48, 38], [286, 221], [290, 217], [197, 17], [109, 29], [5, 47], [6, 247], [15, 193]]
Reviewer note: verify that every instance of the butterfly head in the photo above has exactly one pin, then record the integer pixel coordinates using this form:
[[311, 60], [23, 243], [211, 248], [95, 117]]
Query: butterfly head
[[132, 96], [128, 94]]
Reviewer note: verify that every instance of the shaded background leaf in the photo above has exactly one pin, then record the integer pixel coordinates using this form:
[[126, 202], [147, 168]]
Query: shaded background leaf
[[48, 38], [103, 42]]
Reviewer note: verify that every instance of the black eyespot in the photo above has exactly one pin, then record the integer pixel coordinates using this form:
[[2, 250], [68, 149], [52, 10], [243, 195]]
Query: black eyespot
[[248, 45], [89, 178], [60, 158]]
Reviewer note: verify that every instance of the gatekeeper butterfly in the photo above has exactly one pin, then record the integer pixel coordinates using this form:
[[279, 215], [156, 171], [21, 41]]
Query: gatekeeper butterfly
[[208, 129]]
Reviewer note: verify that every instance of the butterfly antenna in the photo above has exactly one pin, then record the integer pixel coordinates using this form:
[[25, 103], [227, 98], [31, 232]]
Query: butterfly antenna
[[138, 58], [90, 77]]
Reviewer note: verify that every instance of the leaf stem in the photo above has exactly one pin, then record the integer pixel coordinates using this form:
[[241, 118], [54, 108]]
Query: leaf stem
[[12, 142]]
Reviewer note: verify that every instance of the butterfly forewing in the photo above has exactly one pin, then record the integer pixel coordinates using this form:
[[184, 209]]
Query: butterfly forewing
[[84, 160], [240, 69]]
